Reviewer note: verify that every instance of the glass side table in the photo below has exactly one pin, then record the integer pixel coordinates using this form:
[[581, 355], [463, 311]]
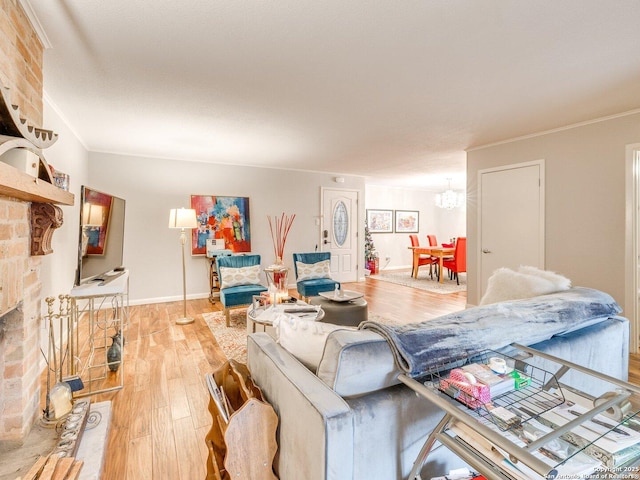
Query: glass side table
[[523, 448]]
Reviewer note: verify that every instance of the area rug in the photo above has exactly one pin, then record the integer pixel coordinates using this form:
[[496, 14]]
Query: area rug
[[423, 282], [232, 340]]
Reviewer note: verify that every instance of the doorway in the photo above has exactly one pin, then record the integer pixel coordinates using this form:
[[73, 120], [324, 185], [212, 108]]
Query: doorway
[[339, 232], [511, 218], [632, 247]]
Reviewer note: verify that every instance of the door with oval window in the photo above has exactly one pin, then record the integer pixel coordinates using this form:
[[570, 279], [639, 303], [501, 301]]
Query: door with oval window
[[340, 232]]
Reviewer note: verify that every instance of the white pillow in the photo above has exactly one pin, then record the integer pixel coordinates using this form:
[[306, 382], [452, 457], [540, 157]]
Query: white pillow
[[232, 277], [506, 284], [309, 271], [561, 283], [304, 339]]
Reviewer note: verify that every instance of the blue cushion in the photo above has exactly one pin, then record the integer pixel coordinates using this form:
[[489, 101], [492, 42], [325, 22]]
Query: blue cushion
[[237, 261], [240, 295], [310, 288]]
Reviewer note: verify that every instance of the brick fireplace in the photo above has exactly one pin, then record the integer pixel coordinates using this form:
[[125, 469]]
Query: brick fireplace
[[19, 323], [20, 285]]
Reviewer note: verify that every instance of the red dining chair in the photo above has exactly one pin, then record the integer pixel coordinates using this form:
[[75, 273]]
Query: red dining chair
[[424, 259], [433, 242], [458, 263]]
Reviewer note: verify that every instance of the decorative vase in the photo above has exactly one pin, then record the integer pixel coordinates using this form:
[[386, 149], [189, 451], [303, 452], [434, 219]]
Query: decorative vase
[[114, 354], [277, 275]]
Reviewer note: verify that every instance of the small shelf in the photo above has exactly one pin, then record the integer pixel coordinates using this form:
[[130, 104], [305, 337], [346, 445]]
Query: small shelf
[[540, 393], [20, 185]]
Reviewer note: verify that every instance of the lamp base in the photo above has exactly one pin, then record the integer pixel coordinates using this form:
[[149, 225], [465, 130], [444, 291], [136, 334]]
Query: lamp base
[[184, 321]]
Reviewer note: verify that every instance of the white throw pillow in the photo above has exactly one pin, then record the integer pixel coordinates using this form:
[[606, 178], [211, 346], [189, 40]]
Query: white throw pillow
[[309, 271], [304, 339], [561, 283], [506, 284], [232, 277]]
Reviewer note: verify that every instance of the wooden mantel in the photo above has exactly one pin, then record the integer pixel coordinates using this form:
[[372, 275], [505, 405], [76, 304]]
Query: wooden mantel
[[20, 185]]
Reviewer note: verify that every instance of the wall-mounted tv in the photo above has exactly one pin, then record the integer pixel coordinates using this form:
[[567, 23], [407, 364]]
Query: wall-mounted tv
[[101, 242]]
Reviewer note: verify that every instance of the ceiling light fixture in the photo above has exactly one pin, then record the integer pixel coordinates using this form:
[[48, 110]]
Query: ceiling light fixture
[[450, 199]]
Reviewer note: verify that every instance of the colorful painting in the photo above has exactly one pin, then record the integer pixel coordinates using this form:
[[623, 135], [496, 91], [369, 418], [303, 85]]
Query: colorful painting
[[225, 218], [95, 221], [407, 221], [380, 221]]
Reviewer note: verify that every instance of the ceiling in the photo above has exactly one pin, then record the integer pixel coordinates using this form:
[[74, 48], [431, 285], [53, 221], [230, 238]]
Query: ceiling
[[392, 90]]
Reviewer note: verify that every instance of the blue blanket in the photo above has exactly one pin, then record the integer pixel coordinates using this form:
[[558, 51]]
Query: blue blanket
[[419, 347]]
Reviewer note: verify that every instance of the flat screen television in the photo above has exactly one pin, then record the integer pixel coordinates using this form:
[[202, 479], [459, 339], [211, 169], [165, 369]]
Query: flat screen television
[[101, 242]]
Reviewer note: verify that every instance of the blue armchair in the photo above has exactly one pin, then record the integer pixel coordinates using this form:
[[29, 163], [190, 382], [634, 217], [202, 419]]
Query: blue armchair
[[312, 281], [239, 281]]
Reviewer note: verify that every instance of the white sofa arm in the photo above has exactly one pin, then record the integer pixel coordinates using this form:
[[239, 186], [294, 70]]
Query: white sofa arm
[[315, 430]]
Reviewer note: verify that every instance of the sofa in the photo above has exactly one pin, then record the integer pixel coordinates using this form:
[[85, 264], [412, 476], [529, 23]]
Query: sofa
[[350, 418]]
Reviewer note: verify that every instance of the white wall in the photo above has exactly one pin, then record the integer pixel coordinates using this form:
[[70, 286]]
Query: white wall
[[151, 187], [433, 220], [67, 155], [585, 200]]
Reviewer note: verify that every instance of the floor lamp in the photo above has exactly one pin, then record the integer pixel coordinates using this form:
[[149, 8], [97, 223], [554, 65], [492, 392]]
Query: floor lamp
[[183, 218]]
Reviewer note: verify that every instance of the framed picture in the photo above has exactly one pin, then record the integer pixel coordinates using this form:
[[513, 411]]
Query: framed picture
[[221, 218], [380, 221], [407, 221]]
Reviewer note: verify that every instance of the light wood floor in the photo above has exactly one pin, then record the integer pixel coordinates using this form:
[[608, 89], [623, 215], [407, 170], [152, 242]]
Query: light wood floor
[[160, 417]]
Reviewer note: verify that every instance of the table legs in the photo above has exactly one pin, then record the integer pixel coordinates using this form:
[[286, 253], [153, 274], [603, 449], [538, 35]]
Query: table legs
[[416, 261]]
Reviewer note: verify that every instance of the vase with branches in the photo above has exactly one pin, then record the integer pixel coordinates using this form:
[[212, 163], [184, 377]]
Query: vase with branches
[[279, 227]]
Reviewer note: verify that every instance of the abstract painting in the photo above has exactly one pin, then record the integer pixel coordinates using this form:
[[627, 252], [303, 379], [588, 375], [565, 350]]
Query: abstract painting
[[225, 218]]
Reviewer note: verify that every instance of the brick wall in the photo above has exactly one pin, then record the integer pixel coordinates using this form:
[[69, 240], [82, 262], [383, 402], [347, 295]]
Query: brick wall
[[20, 286], [21, 60]]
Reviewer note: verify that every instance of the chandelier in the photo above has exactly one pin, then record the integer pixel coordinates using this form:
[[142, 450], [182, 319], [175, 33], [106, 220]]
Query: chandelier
[[450, 199]]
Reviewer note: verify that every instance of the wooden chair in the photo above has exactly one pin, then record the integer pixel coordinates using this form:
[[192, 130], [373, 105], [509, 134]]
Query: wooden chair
[[424, 259], [309, 287], [458, 263]]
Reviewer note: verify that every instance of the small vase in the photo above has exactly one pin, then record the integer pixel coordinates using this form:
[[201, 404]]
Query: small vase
[[114, 354]]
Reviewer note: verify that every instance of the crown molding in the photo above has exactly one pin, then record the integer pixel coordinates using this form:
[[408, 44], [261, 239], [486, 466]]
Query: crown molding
[[555, 130]]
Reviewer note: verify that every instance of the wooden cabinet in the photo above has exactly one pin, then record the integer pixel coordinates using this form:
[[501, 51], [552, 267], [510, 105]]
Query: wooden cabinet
[[242, 440]]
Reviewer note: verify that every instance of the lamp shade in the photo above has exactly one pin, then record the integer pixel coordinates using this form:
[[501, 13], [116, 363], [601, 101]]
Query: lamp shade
[[182, 218]]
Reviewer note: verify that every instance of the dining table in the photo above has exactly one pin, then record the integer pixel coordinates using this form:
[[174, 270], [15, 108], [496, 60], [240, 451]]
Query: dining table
[[434, 251]]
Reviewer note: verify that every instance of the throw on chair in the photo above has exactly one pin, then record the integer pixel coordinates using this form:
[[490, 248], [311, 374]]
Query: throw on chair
[[313, 274], [239, 281]]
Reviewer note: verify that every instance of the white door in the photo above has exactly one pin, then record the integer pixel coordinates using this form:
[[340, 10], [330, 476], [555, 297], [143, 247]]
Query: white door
[[340, 232], [511, 211]]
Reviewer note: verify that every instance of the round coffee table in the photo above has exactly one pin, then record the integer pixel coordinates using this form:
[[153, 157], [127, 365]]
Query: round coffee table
[[348, 310], [260, 315]]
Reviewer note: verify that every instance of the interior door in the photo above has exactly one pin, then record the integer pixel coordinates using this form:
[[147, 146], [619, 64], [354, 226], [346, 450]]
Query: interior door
[[511, 219], [340, 232]]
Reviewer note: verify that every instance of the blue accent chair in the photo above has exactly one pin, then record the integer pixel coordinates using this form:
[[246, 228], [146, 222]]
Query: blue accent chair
[[239, 295], [312, 287]]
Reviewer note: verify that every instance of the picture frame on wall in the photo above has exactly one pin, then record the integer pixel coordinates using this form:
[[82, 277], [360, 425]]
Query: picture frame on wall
[[225, 219], [380, 221], [407, 221]]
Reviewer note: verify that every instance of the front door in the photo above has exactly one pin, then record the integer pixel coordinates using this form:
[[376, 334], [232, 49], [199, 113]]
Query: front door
[[511, 219], [340, 232]]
